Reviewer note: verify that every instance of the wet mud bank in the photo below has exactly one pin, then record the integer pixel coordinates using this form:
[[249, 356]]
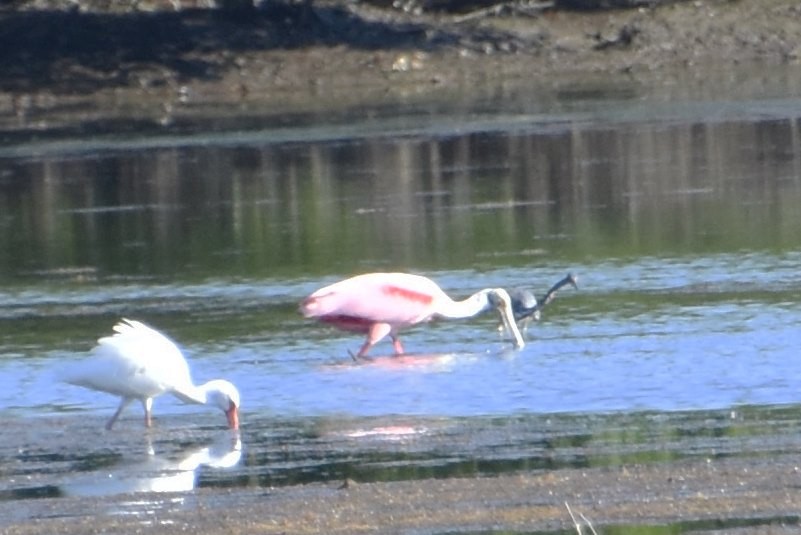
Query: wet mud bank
[[96, 69], [730, 495], [692, 472]]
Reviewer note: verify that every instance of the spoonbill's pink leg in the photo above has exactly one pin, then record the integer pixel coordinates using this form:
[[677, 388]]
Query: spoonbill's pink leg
[[396, 343], [375, 334]]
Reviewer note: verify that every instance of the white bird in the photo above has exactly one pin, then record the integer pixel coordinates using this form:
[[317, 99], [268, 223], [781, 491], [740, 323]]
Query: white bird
[[139, 362]]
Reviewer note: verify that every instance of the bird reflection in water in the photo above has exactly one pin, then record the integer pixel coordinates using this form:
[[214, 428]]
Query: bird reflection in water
[[158, 473]]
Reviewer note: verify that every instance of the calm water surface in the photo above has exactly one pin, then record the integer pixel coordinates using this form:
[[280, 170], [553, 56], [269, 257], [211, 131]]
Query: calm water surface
[[679, 214]]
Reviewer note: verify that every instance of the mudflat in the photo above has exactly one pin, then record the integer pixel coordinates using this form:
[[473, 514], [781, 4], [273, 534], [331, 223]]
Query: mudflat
[[719, 471], [753, 495]]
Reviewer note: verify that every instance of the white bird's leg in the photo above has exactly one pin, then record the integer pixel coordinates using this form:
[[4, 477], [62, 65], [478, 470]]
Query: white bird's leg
[[148, 405], [123, 403]]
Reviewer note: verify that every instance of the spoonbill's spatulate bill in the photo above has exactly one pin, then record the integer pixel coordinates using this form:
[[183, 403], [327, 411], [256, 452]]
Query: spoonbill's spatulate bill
[[381, 304], [139, 362]]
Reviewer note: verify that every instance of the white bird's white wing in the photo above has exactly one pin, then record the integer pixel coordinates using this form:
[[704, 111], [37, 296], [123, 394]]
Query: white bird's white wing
[[137, 361]]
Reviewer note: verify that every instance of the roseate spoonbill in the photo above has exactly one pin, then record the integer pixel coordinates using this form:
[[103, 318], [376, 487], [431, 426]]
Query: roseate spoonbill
[[526, 307], [138, 362], [381, 304]]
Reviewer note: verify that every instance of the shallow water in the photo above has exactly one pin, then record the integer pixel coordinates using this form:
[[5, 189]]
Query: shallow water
[[679, 218], [666, 334]]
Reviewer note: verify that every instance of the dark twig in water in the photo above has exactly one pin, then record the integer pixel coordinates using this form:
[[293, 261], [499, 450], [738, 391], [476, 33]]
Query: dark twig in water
[[527, 307]]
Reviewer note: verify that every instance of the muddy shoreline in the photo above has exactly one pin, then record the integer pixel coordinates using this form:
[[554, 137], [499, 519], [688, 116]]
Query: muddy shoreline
[[692, 472], [727, 495]]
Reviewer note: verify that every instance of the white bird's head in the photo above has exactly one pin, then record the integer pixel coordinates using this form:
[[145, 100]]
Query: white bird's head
[[225, 396]]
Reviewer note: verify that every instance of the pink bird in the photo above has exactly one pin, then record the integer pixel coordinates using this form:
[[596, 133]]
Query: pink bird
[[380, 304]]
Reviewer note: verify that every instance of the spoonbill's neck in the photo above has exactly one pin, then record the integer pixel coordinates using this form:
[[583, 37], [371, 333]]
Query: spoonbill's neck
[[467, 308]]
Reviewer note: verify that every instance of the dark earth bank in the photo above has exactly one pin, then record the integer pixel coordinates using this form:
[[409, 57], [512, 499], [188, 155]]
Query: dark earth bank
[[77, 63]]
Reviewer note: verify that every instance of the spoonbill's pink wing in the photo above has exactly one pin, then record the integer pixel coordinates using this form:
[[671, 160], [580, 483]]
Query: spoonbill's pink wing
[[393, 298]]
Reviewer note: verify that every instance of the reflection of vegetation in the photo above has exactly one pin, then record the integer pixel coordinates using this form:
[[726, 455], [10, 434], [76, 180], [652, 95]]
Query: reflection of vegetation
[[698, 526], [96, 461], [474, 200]]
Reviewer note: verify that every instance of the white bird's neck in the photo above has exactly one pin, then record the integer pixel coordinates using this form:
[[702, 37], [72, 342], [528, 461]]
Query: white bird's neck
[[467, 308], [194, 394]]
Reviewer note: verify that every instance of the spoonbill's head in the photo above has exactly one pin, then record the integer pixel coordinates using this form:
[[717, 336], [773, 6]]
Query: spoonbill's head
[[499, 299], [225, 396]]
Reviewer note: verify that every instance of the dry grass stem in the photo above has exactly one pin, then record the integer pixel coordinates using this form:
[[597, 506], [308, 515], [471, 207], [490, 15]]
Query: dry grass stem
[[578, 524]]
